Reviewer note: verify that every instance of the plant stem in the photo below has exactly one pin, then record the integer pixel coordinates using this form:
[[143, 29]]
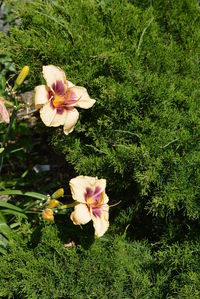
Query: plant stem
[[70, 205], [6, 137]]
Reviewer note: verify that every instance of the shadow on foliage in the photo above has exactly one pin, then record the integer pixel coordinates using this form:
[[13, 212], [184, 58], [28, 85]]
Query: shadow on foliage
[[69, 233], [36, 236]]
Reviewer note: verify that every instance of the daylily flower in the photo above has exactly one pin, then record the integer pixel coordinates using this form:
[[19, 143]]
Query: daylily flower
[[91, 203], [4, 114], [58, 98]]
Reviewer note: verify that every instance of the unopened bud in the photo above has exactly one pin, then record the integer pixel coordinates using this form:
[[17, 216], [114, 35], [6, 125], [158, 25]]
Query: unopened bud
[[53, 203], [59, 193], [47, 214], [22, 76]]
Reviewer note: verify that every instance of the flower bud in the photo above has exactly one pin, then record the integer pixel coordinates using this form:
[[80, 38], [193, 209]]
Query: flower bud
[[47, 214], [53, 203], [22, 76], [59, 193]]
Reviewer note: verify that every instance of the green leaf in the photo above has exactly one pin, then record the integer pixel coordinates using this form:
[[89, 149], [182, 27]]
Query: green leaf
[[25, 173], [15, 213], [1, 150], [5, 204], [2, 250], [3, 241], [16, 150], [29, 194], [2, 218], [13, 225], [5, 229]]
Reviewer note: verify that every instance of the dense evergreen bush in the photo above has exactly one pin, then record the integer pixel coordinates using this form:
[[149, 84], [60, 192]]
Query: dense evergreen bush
[[141, 63], [111, 267]]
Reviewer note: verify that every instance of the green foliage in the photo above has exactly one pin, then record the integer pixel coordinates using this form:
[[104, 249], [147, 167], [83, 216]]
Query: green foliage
[[178, 271], [10, 217], [6, 66], [110, 268], [5, 232], [140, 64]]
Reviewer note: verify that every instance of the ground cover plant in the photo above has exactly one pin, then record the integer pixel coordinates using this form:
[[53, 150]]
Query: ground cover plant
[[139, 60]]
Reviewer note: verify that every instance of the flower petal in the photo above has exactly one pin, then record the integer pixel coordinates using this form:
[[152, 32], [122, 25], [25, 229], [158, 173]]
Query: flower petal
[[41, 96], [81, 183], [84, 99], [101, 223], [47, 114], [52, 74], [70, 84], [100, 184], [70, 120], [59, 119], [51, 117], [4, 114], [81, 214], [78, 187], [105, 198]]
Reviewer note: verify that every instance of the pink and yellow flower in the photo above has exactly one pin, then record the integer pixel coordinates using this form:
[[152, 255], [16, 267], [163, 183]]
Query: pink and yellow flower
[[89, 193], [4, 114], [58, 98]]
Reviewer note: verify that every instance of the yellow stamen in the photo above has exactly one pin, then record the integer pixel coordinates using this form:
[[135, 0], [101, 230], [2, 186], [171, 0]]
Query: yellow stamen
[[100, 198], [58, 101], [90, 200]]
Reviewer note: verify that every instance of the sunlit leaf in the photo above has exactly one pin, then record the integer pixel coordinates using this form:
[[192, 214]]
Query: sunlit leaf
[[5, 204], [13, 225], [5, 229], [2, 250], [2, 218], [15, 213], [3, 244], [29, 194], [1, 150]]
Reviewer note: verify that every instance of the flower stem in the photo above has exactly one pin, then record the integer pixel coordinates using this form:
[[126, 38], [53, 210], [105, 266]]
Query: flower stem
[[70, 205], [6, 137]]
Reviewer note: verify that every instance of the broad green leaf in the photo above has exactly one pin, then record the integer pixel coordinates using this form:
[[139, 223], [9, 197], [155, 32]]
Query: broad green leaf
[[1, 150]]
